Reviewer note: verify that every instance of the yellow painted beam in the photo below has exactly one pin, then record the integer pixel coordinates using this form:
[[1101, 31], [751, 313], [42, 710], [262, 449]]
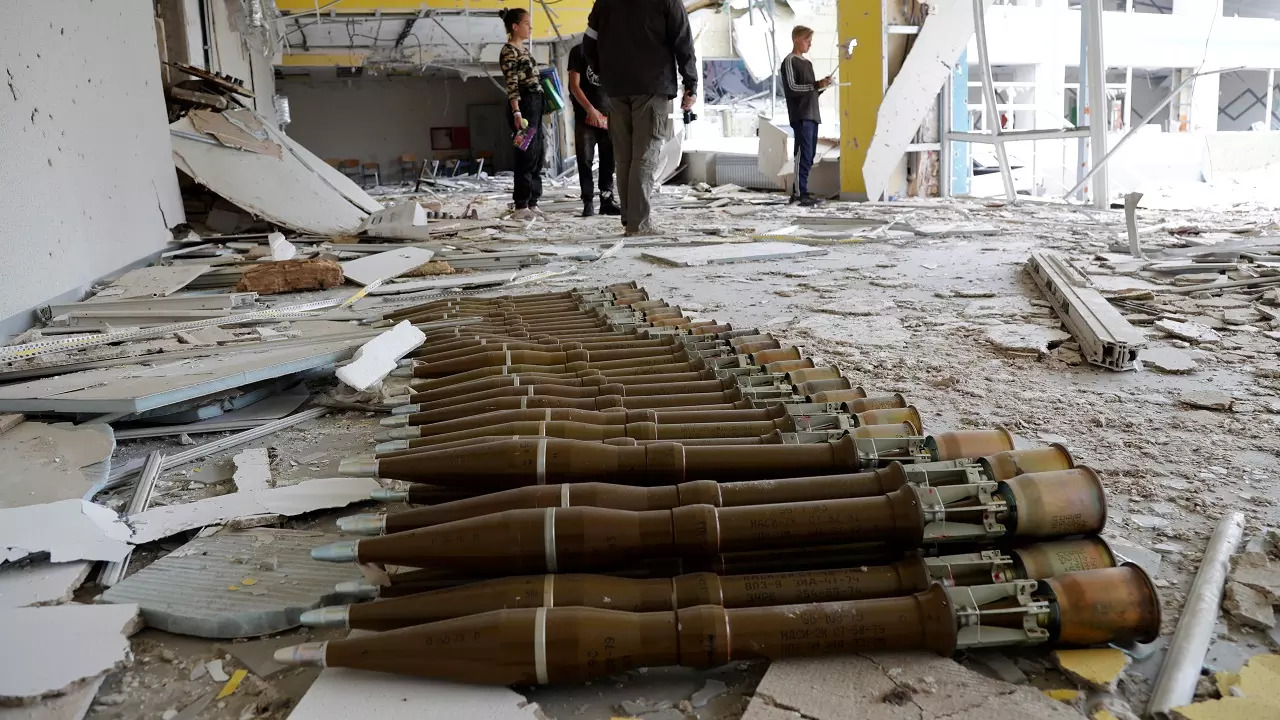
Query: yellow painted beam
[[570, 15], [322, 59], [860, 99]]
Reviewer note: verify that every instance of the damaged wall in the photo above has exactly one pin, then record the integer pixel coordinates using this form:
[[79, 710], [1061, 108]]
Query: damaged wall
[[377, 119], [242, 51], [89, 184]]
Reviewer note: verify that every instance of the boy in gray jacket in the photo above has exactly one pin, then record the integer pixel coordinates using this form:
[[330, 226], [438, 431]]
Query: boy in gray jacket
[[802, 91]]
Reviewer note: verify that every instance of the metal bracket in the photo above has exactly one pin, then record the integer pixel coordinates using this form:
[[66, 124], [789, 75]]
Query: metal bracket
[[969, 601], [992, 563], [1105, 337], [939, 505]]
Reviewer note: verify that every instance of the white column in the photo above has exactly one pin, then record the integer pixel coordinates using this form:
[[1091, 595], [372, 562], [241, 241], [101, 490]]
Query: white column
[[1202, 107]]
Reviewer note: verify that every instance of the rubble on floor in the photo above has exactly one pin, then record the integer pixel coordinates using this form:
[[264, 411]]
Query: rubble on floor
[[888, 302]]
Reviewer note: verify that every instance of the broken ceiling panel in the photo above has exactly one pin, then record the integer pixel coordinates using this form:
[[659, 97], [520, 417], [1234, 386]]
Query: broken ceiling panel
[[238, 129], [68, 530], [944, 36], [136, 389], [149, 282], [385, 265], [329, 174], [42, 463], [284, 190]]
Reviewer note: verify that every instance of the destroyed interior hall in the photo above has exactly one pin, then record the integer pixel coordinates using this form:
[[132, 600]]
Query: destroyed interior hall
[[640, 359]]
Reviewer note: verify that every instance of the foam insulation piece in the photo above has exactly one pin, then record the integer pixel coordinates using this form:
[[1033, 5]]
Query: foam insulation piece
[[937, 49], [309, 496], [1254, 692], [68, 530], [1099, 667], [285, 191], [377, 358], [281, 249], [341, 693], [61, 645], [385, 265]]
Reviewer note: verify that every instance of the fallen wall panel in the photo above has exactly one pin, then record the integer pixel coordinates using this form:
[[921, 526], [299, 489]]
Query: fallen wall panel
[[928, 66]]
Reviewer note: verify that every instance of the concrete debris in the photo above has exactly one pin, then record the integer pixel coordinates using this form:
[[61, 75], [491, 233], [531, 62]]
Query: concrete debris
[[376, 359], [1249, 606], [1257, 571], [68, 530], [1207, 400], [1140, 556], [73, 703], [253, 470], [894, 686], [713, 689], [290, 276], [1189, 331], [1096, 667], [234, 584], [62, 645], [1168, 360], [996, 665], [1025, 338]]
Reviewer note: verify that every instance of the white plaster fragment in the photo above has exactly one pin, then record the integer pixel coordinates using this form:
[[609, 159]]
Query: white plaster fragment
[[281, 249], [377, 358], [68, 530], [61, 645]]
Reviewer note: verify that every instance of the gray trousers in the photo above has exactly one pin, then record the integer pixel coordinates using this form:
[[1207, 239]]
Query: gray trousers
[[638, 126]]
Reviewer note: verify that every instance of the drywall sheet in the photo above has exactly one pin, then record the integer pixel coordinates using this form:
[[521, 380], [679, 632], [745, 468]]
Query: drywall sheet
[[42, 463], [397, 221], [385, 265], [460, 280], [238, 129], [720, 254], [340, 694], [235, 584], [41, 583], [149, 282], [136, 389], [61, 645], [259, 413], [282, 190], [68, 530], [1242, 157], [944, 36]]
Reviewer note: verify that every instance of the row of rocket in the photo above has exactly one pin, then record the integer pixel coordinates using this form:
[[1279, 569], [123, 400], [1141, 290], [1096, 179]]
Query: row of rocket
[[730, 499]]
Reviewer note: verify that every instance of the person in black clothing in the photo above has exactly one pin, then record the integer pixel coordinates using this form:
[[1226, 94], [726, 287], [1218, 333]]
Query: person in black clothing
[[591, 131], [638, 46], [802, 91], [524, 91]]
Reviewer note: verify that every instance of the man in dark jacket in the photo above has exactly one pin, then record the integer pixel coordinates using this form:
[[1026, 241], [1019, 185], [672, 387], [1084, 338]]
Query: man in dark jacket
[[802, 91], [638, 46], [591, 131]]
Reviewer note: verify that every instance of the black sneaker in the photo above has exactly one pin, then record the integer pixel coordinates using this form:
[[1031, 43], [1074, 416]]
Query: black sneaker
[[793, 199], [608, 206], [589, 209], [808, 200]]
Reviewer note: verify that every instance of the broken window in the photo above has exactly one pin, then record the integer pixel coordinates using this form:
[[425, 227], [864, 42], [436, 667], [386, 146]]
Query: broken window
[[728, 82]]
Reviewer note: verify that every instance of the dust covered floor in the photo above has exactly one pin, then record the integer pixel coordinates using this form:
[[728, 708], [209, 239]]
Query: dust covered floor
[[943, 320]]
